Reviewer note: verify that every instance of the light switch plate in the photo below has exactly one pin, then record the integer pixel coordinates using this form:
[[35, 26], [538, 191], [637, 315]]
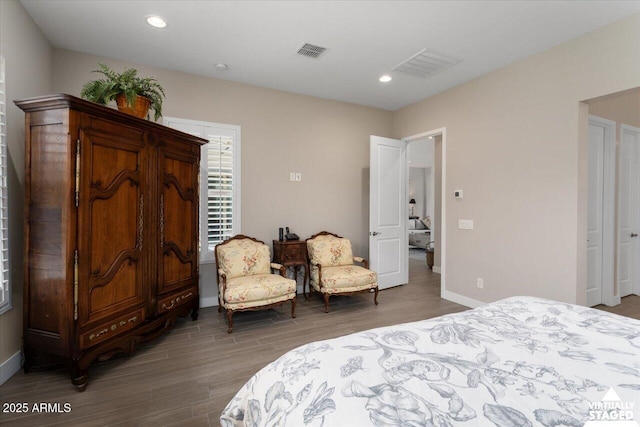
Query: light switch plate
[[298, 176], [465, 224], [292, 176]]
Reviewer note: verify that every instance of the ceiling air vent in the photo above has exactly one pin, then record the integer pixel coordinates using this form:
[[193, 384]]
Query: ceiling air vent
[[426, 63], [311, 50]]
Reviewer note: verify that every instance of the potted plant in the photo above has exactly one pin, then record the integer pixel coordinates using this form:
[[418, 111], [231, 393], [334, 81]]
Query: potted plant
[[134, 95]]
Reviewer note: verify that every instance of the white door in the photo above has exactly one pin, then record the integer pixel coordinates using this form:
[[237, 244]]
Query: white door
[[388, 211], [594, 214], [601, 212], [629, 212]]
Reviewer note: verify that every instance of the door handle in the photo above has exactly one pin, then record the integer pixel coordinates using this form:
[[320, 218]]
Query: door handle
[[634, 234], [374, 233]]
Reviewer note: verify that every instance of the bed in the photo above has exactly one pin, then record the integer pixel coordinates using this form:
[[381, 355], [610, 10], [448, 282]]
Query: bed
[[521, 361]]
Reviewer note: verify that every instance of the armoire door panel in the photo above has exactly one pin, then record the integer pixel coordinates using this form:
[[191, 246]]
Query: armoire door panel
[[115, 227], [117, 286], [111, 165], [175, 270], [178, 211], [178, 226], [112, 213]]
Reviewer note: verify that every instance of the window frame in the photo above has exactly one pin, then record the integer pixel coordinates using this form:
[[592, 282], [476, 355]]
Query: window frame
[[5, 277], [209, 130]]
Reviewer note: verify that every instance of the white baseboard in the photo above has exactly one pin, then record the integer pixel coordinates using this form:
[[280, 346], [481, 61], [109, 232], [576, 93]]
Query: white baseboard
[[208, 302], [611, 301], [437, 269], [10, 367], [461, 299]]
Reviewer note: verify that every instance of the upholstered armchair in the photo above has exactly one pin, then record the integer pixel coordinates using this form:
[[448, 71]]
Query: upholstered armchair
[[333, 271], [245, 280]]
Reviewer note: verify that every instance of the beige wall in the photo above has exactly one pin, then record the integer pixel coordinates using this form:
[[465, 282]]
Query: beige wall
[[326, 141], [623, 108], [28, 72], [515, 145]]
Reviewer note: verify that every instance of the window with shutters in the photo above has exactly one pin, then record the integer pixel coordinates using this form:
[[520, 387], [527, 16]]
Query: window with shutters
[[5, 285], [219, 181]]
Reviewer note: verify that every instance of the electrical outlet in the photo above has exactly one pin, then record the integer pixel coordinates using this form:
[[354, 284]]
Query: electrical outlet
[[480, 283], [292, 176]]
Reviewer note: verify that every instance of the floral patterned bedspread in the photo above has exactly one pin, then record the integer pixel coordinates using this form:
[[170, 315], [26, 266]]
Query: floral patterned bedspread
[[521, 361]]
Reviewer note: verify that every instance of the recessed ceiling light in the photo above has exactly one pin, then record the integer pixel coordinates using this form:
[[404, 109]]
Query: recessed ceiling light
[[156, 21], [386, 78], [222, 67]]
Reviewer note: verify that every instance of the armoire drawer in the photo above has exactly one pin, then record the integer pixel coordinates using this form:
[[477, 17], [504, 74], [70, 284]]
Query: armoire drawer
[[111, 329], [175, 300]]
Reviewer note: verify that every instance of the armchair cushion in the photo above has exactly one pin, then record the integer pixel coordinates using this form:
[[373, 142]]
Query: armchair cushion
[[244, 257], [344, 278], [257, 290], [331, 251]]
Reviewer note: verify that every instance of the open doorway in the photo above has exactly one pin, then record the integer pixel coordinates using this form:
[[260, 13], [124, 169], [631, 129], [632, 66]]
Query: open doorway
[[613, 216], [425, 207], [420, 193]]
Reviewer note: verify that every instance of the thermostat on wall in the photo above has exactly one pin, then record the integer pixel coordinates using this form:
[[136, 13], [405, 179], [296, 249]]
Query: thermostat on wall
[[457, 194]]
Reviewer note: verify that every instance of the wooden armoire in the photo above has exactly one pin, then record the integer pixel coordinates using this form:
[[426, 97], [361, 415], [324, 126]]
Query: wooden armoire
[[111, 230]]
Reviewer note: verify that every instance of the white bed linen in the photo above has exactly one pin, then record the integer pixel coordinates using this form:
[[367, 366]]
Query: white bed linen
[[522, 361]]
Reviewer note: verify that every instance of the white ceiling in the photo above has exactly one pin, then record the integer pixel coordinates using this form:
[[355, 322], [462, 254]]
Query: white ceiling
[[258, 39]]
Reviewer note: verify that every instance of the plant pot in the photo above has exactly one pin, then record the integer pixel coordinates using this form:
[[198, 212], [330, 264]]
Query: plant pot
[[139, 109]]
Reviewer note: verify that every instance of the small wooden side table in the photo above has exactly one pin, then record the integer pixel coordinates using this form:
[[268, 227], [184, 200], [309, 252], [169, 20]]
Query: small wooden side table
[[292, 253]]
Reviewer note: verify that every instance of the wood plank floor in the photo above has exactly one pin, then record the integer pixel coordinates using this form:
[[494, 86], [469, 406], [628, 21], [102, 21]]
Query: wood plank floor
[[187, 376]]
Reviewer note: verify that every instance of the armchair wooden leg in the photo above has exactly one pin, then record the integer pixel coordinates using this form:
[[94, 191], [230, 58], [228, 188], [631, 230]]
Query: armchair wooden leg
[[326, 303], [293, 307], [375, 297], [230, 320], [306, 279]]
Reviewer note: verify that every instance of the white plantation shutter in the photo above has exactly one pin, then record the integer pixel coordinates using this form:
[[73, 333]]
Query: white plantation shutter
[[219, 181], [5, 290], [219, 196]]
